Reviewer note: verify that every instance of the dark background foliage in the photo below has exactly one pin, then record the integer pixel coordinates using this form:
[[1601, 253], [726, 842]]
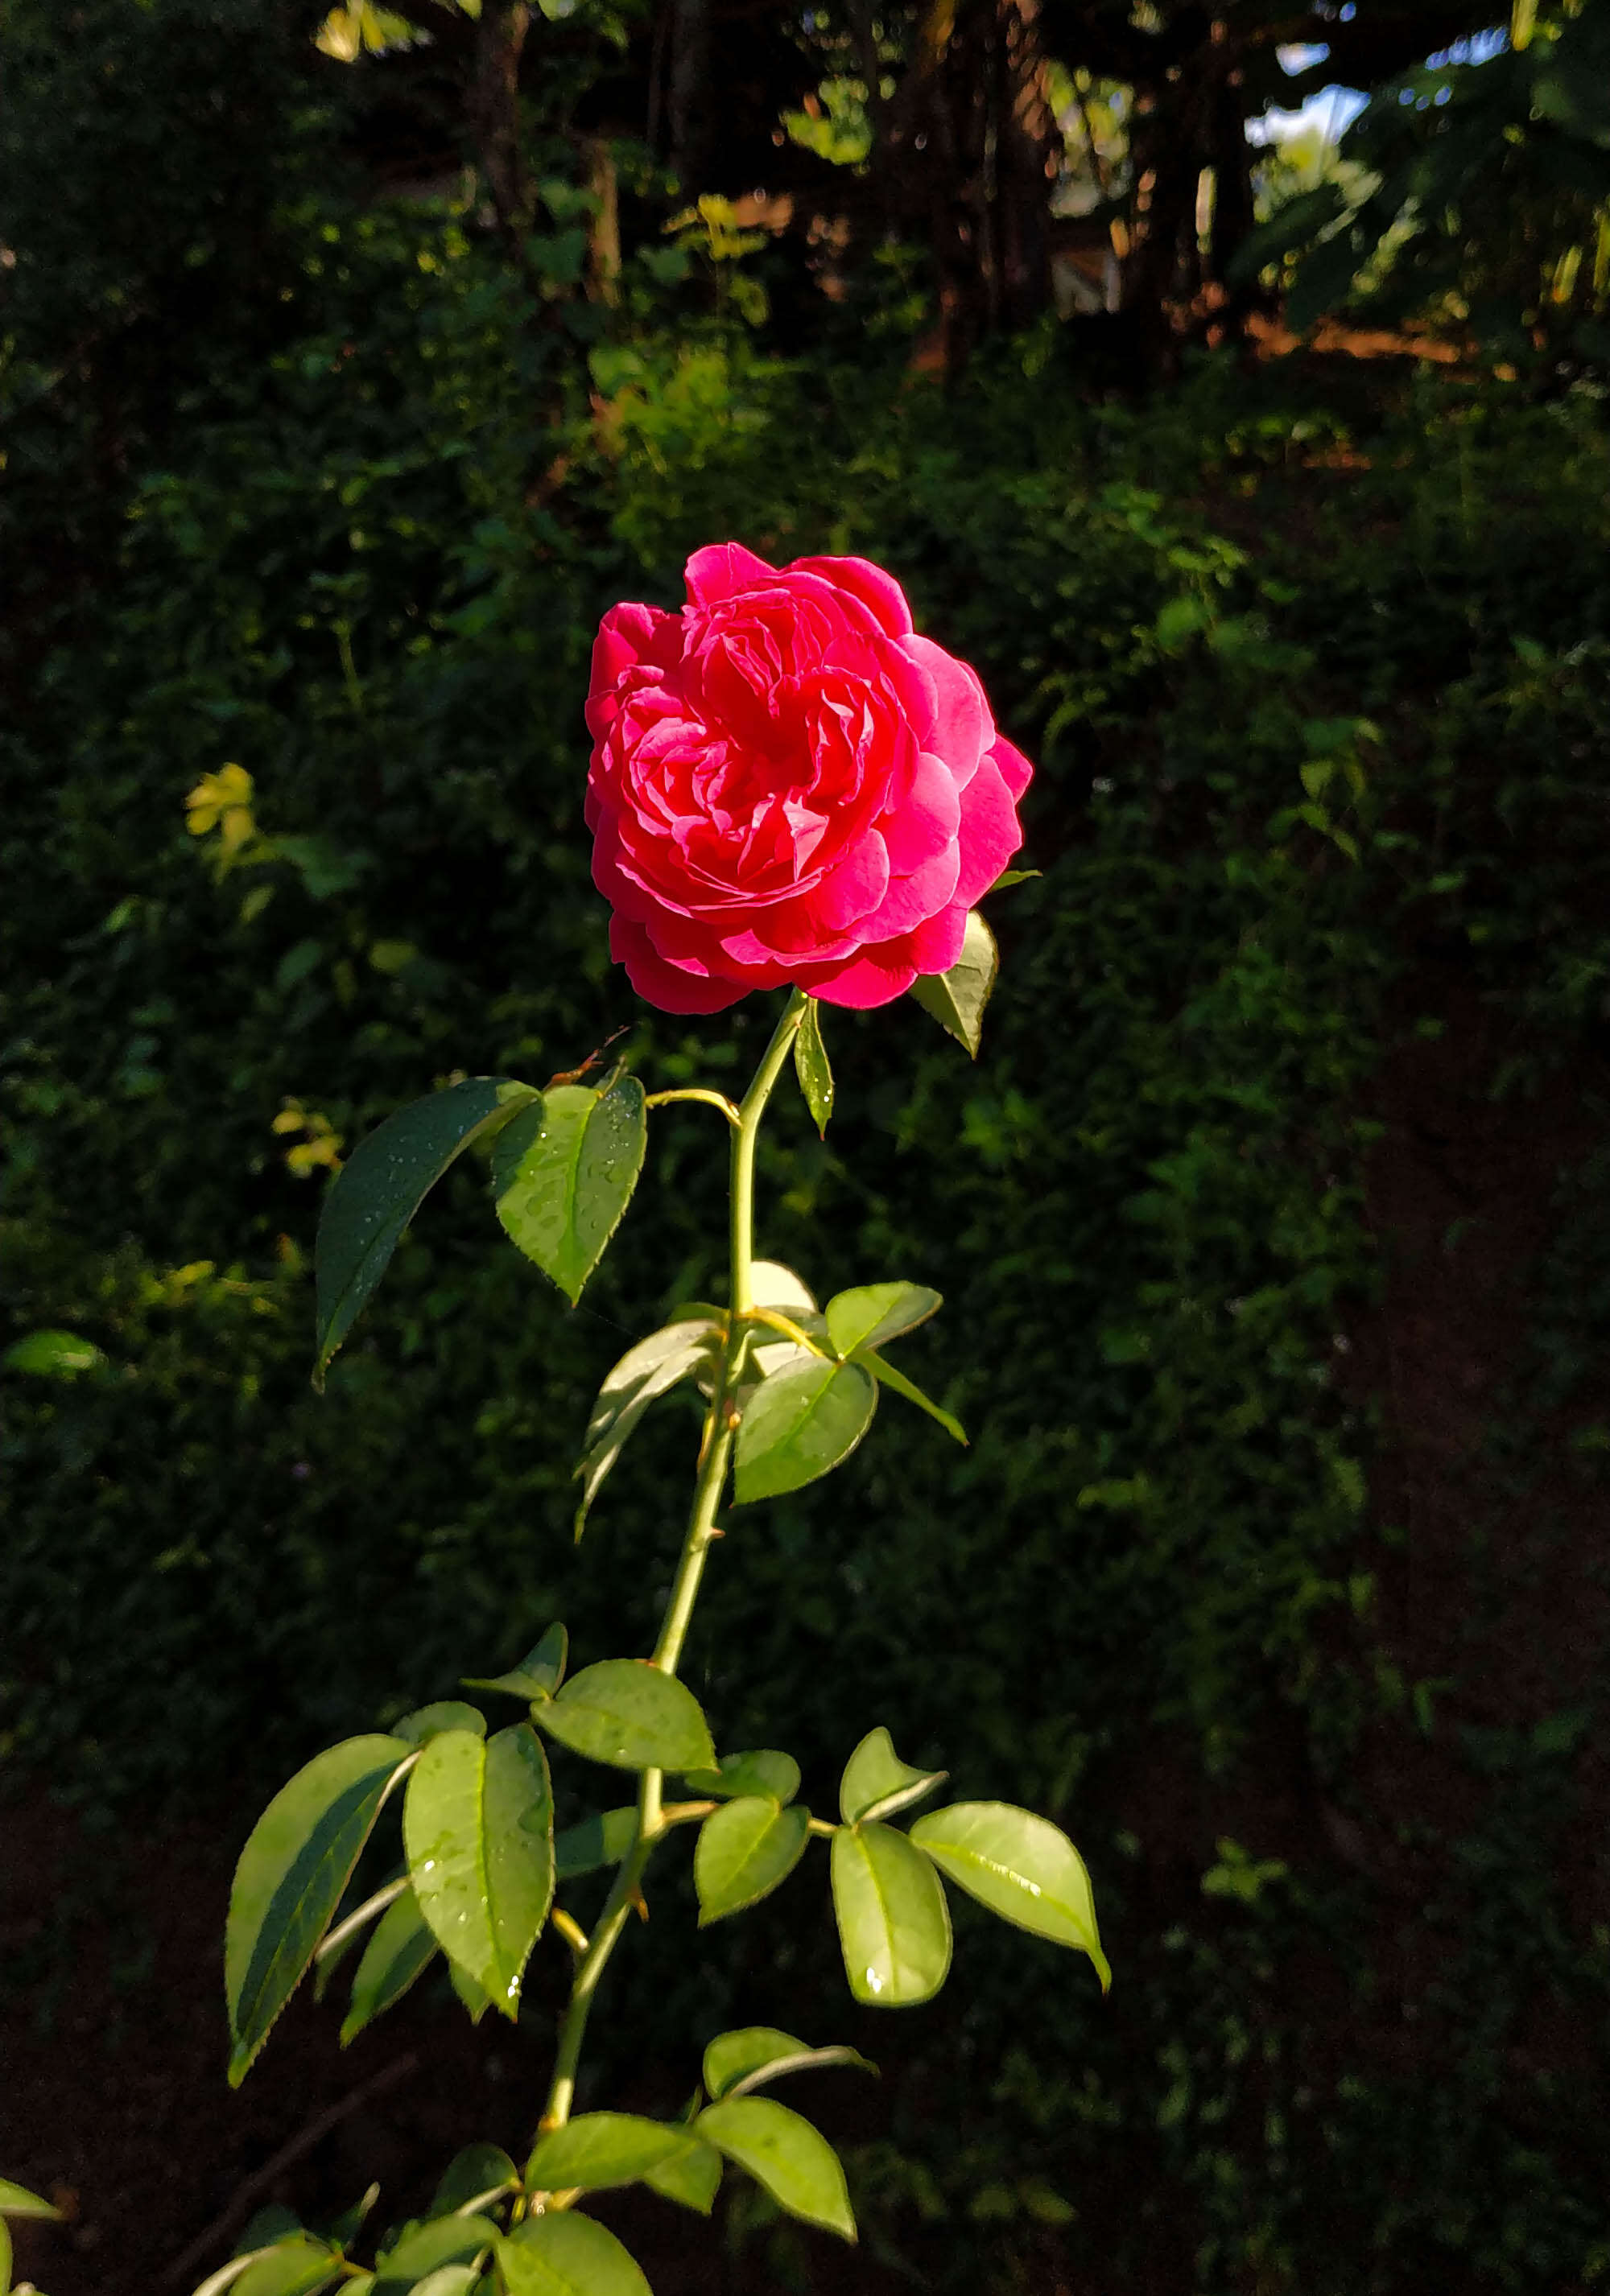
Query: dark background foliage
[[1270, 1222]]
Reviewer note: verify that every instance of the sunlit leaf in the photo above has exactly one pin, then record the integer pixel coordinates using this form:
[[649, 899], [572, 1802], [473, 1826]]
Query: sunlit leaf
[[957, 999], [876, 1783], [1021, 1866], [782, 2151], [430, 2248], [291, 1879], [745, 1848], [692, 2178], [894, 1925], [563, 1172], [596, 2150], [738, 2062], [874, 1313], [631, 1715], [478, 1829], [800, 1424], [427, 1722], [811, 1066], [567, 2254]]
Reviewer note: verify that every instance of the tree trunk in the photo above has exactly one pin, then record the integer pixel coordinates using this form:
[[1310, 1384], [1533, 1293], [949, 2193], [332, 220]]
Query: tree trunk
[[494, 115]]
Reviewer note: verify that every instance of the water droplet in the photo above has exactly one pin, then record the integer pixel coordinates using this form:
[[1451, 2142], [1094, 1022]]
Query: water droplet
[[874, 1983]]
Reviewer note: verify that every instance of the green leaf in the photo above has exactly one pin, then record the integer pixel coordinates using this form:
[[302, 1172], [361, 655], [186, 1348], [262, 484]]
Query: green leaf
[[886, 1375], [471, 2175], [564, 1171], [1009, 877], [811, 1066], [957, 999], [628, 1714], [692, 2178], [291, 1876], [874, 1313], [382, 1184], [876, 1783], [16, 2201], [567, 2255], [894, 1925], [291, 2267], [649, 1369], [51, 1354], [449, 2240], [447, 2280], [800, 1424], [478, 1827], [5, 2257], [1021, 1866], [738, 2062], [475, 1998], [760, 1773], [427, 1722], [745, 1848], [597, 2150], [538, 1673], [401, 1949], [794, 2162], [600, 1840]]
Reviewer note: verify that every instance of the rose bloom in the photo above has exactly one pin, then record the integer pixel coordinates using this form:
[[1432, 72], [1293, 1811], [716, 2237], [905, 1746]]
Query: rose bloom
[[789, 786]]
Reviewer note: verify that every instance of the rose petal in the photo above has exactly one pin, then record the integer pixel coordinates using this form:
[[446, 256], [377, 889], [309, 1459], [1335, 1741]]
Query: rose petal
[[877, 976], [989, 833], [922, 815], [936, 945], [963, 728], [1013, 766], [722, 568], [911, 900], [670, 987], [879, 593], [627, 636]]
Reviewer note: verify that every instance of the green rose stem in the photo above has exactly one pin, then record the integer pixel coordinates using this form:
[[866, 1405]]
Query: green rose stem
[[715, 1450]]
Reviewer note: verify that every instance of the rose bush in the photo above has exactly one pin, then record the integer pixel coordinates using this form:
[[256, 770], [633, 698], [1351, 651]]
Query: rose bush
[[789, 787]]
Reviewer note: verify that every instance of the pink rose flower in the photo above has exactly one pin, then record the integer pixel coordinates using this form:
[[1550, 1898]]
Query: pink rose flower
[[789, 786]]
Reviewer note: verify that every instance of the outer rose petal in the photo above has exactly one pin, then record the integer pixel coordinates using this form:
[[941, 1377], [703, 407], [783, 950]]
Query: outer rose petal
[[1014, 768], [668, 986], [722, 568], [627, 636], [963, 728], [879, 591], [989, 833], [877, 976]]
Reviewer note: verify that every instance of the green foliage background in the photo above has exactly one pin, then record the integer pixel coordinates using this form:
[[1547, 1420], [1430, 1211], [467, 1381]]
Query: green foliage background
[[1316, 686]]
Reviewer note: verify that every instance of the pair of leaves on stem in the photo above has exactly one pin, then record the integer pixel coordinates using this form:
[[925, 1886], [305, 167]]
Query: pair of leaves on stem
[[565, 1164], [893, 1921], [683, 2159], [813, 1400], [477, 1830]]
